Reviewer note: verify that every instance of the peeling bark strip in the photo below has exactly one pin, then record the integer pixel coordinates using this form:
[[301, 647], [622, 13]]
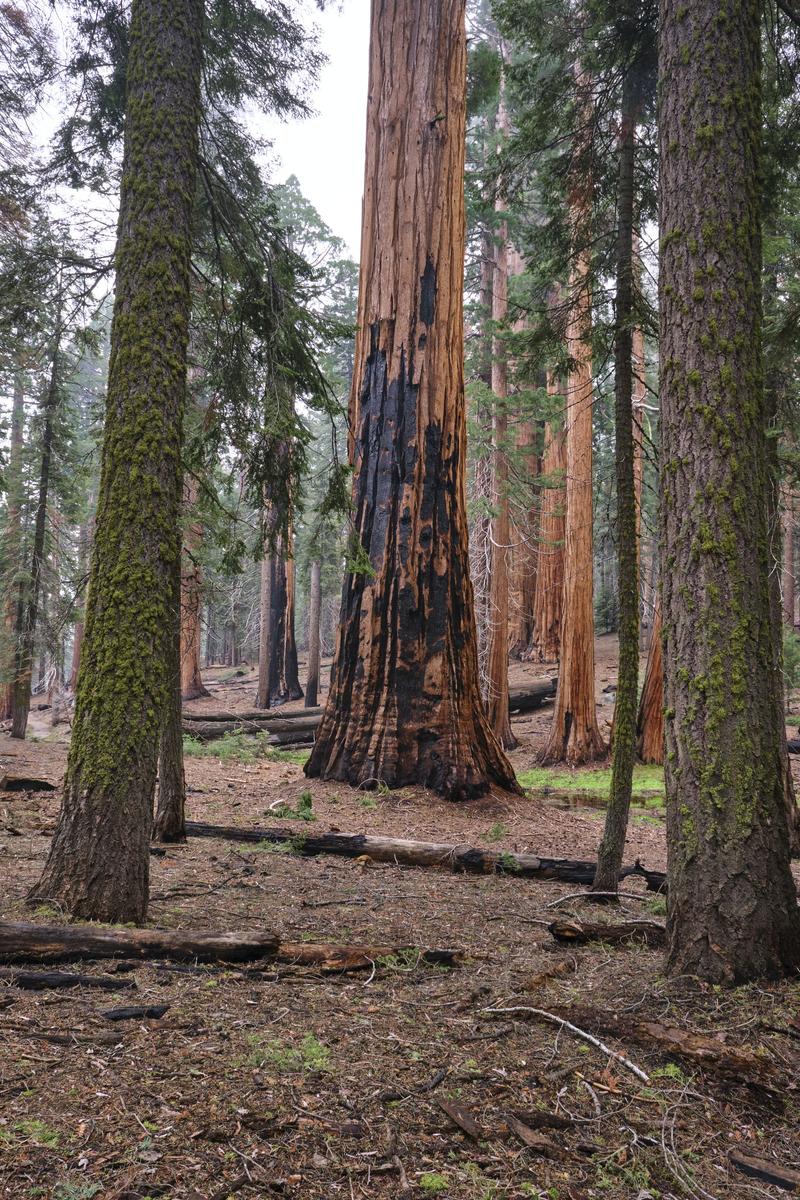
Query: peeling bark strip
[[733, 912], [404, 705]]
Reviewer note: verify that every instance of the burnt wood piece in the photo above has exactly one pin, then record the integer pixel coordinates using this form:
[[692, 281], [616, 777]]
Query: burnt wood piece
[[38, 981], [359, 958], [759, 1168], [401, 851], [23, 942], [135, 1012], [575, 932], [23, 783]]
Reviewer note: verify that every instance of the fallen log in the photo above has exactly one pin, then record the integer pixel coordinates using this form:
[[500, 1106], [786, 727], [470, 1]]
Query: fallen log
[[257, 715], [401, 851], [23, 783], [359, 958], [530, 696], [576, 933], [768, 1172], [151, 1012], [280, 732], [23, 942], [38, 981]]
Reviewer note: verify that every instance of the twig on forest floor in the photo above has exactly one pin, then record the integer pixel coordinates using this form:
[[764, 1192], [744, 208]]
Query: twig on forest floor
[[581, 1033]]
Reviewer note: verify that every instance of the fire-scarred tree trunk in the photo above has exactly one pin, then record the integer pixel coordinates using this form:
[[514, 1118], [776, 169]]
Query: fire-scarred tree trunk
[[550, 574], [650, 721], [99, 857], [404, 705], [497, 650], [12, 547], [574, 735], [733, 911], [192, 686], [612, 844]]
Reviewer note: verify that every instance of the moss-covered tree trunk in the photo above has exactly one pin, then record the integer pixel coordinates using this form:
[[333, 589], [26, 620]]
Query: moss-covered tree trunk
[[170, 818], [99, 857], [733, 911], [12, 544], [612, 844], [314, 608], [404, 705]]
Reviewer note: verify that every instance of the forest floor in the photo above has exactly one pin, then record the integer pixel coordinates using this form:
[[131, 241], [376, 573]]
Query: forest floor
[[397, 1080]]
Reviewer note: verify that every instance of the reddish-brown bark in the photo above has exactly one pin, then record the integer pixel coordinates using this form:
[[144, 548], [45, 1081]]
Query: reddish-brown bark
[[549, 595], [404, 705]]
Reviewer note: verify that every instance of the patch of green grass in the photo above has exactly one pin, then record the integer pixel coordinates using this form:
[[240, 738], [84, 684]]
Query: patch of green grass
[[648, 782], [35, 1131], [241, 747], [300, 757], [303, 812], [310, 1055], [368, 802], [76, 1191]]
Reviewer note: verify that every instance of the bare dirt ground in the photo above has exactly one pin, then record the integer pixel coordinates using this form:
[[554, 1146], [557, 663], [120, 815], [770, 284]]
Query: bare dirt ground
[[284, 1080]]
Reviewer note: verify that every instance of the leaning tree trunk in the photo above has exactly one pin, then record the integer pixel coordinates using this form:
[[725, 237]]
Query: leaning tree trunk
[[12, 544], [550, 574], [99, 857], [575, 735], [404, 705], [23, 655], [733, 912], [170, 818], [650, 721], [497, 650], [612, 844], [314, 604]]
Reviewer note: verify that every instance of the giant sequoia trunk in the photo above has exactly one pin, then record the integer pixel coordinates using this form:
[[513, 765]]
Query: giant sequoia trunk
[[549, 596], [404, 705], [574, 735], [612, 845], [733, 911], [99, 857], [12, 545]]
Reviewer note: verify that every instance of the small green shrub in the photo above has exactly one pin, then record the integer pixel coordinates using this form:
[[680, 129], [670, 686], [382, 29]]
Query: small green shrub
[[310, 1055], [432, 1183], [303, 812], [496, 832]]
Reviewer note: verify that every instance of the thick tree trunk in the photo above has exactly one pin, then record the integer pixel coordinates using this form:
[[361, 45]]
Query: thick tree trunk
[[99, 857], [612, 844], [191, 597], [650, 721], [575, 735], [733, 912], [404, 705], [263, 696], [480, 541], [497, 650], [12, 548], [550, 575], [169, 824], [23, 656], [314, 600]]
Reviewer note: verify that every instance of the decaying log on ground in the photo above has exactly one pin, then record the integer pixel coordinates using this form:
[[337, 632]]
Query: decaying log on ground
[[574, 932], [257, 716], [469, 859], [461, 1117], [531, 696], [151, 1012], [38, 981], [359, 958], [768, 1172], [738, 1064], [533, 1140], [208, 730], [23, 942]]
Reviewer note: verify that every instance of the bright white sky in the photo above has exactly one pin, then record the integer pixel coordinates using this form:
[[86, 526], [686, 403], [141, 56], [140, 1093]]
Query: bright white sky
[[326, 151]]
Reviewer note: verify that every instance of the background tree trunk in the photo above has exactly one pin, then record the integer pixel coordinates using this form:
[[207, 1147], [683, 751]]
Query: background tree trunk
[[192, 686], [99, 858], [404, 705], [550, 575], [13, 543], [650, 721], [263, 696], [787, 574], [733, 911], [314, 602], [497, 650]]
